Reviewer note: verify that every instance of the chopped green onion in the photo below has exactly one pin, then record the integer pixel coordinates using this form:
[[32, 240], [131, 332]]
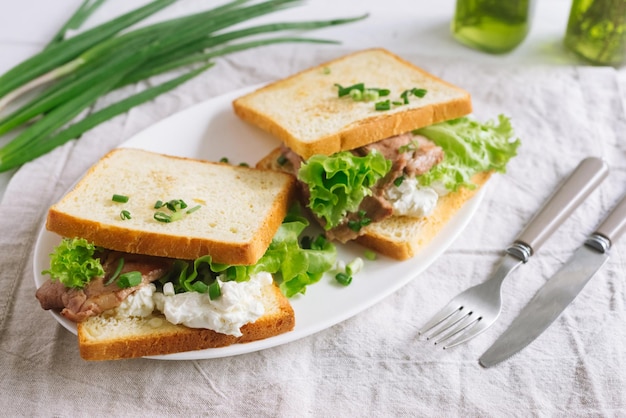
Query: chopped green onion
[[419, 92], [370, 255], [119, 198], [410, 147], [354, 266], [176, 204], [370, 95], [405, 96], [396, 103], [125, 215], [224, 160], [117, 271], [192, 210], [162, 217], [343, 278], [199, 287], [159, 204], [356, 95], [130, 279], [214, 290], [382, 92], [344, 91], [281, 160], [384, 105], [398, 181], [244, 164]]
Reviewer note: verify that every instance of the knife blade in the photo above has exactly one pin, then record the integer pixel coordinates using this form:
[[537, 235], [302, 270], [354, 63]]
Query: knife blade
[[560, 290]]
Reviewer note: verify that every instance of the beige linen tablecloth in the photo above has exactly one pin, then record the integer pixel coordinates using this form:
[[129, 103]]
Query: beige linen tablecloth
[[372, 364]]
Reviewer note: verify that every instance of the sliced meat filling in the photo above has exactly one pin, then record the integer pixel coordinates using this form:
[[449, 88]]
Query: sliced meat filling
[[97, 297], [411, 156]]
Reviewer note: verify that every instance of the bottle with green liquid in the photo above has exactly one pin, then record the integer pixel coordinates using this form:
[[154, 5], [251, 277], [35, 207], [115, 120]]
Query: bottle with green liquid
[[494, 26], [596, 31]]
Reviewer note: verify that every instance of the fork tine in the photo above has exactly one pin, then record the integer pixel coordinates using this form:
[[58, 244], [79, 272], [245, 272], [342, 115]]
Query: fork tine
[[450, 309], [478, 327], [458, 327]]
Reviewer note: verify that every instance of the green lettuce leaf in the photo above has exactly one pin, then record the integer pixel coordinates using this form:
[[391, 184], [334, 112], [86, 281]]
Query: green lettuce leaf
[[469, 147], [338, 183], [72, 263], [293, 266], [296, 267]]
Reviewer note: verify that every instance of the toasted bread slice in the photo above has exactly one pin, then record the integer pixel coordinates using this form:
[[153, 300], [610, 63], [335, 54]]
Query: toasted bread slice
[[401, 237], [240, 210], [305, 112], [109, 338]]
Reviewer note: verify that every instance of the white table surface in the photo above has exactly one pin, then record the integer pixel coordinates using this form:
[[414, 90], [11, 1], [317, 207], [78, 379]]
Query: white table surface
[[415, 26]]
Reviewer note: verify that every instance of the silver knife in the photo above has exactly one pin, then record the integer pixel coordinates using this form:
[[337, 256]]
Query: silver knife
[[560, 290]]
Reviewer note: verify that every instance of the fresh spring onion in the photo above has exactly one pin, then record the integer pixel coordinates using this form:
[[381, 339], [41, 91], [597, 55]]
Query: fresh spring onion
[[130, 279], [119, 198], [74, 72], [125, 215], [117, 272]]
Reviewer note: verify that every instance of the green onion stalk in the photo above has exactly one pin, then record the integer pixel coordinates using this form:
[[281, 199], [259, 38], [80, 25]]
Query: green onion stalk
[[72, 72]]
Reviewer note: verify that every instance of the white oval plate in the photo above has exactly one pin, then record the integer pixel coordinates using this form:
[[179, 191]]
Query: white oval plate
[[211, 131]]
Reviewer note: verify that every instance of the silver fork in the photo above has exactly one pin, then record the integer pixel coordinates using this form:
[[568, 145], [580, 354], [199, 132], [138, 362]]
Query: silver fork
[[477, 308]]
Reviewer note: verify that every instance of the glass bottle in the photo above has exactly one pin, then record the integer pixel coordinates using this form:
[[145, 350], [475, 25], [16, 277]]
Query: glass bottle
[[494, 26], [596, 31]]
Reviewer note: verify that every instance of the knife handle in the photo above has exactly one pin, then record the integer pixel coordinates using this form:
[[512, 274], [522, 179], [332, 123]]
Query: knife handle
[[585, 178], [614, 225]]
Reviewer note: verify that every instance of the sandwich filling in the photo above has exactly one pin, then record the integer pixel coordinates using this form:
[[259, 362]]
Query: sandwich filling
[[86, 281], [403, 175]]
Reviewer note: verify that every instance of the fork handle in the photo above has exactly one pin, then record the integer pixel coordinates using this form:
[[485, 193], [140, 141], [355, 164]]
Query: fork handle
[[583, 180]]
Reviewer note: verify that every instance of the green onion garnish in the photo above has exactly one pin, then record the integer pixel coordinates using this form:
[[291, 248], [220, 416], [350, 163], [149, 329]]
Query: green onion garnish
[[244, 164], [405, 96], [281, 160], [130, 279], [419, 92], [370, 255], [344, 91], [396, 103], [343, 278], [162, 217], [224, 160], [176, 204], [192, 210], [384, 105], [356, 95], [199, 287], [215, 290], [398, 181], [125, 215], [159, 204], [370, 95], [117, 271], [410, 147], [119, 198]]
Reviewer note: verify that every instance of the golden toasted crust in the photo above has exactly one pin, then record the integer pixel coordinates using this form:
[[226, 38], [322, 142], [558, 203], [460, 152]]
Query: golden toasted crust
[[241, 208], [110, 339], [304, 111], [401, 237]]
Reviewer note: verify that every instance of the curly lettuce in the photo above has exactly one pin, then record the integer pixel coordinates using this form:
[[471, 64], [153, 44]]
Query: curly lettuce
[[469, 147], [73, 263], [294, 266], [338, 183]]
